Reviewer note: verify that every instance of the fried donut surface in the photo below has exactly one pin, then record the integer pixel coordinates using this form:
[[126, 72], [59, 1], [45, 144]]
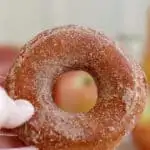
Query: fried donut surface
[[121, 89]]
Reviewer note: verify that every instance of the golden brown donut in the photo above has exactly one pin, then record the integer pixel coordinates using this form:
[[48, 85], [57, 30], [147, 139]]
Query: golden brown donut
[[120, 81], [141, 133]]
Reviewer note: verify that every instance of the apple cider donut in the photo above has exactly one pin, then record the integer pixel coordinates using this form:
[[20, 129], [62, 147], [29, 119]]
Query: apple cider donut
[[120, 82]]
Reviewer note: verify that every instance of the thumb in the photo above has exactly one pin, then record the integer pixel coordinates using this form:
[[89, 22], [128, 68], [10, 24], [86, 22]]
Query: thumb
[[20, 112], [13, 113]]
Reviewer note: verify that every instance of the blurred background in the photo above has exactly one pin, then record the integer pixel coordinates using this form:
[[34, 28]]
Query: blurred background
[[122, 20], [125, 21]]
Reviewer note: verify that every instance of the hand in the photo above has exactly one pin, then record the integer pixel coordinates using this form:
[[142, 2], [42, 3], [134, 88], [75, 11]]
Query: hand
[[13, 114]]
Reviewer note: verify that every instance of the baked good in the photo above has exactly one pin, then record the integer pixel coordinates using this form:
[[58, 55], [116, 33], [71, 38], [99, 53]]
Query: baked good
[[121, 90]]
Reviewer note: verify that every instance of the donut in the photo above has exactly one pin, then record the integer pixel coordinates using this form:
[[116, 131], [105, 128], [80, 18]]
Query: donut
[[141, 133], [121, 87]]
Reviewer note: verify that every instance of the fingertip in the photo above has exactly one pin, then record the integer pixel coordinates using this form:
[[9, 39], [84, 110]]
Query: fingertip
[[14, 113], [26, 106], [22, 111]]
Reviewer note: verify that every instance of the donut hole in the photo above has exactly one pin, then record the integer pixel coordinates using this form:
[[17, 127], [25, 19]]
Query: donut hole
[[75, 91]]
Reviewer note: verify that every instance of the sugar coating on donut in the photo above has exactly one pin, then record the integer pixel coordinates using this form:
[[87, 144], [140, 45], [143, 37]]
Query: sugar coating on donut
[[122, 89]]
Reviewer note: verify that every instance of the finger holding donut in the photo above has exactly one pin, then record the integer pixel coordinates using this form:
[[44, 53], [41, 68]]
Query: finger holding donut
[[13, 114], [79, 60], [8, 140]]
